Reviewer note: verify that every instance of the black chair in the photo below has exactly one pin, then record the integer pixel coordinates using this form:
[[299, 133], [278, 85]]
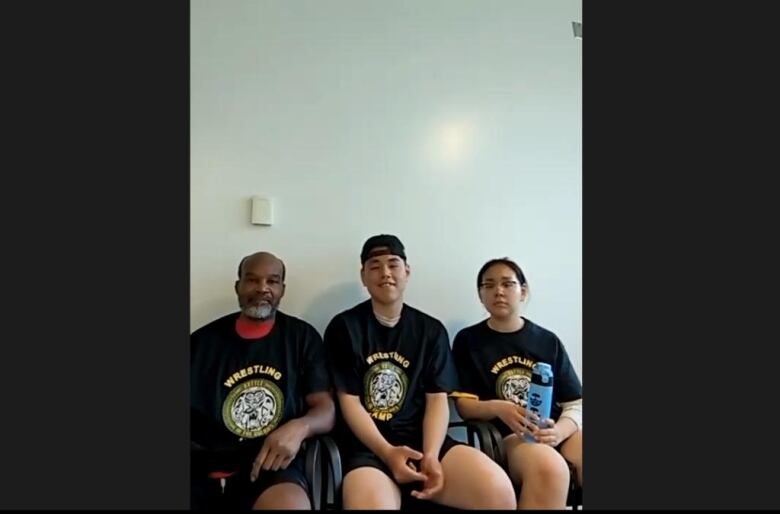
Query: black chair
[[575, 491], [479, 434], [323, 470]]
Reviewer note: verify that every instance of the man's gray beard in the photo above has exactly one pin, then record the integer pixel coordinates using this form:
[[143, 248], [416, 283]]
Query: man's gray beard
[[260, 312]]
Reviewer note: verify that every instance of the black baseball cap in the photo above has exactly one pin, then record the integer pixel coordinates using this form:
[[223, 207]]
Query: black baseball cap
[[392, 243]]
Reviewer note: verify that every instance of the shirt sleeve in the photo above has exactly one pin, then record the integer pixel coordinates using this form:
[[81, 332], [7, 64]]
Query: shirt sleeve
[[314, 367], [205, 431], [341, 358], [465, 369], [567, 385], [440, 375], [573, 411]]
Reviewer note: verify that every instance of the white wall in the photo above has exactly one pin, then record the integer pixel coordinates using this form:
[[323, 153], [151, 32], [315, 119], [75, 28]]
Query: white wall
[[454, 124]]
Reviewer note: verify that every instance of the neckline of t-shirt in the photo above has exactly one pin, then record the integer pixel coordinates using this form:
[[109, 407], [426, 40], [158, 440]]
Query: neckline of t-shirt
[[526, 323], [376, 319], [250, 333]]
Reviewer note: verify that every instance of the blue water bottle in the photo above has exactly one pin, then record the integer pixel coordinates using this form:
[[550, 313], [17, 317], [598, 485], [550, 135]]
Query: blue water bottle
[[540, 397]]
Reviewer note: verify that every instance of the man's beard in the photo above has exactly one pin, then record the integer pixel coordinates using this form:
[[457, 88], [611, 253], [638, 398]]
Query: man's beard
[[260, 312]]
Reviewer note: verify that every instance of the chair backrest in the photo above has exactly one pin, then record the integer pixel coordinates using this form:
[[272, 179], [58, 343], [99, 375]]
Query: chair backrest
[[323, 471]]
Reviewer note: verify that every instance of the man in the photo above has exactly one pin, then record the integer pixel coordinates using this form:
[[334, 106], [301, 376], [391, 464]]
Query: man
[[392, 368], [258, 389]]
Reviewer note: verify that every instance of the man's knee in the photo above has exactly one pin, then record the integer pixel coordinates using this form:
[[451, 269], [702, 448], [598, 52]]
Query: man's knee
[[286, 495]]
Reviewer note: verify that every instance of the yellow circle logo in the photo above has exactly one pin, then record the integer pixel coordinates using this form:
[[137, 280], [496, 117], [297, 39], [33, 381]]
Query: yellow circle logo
[[385, 388], [253, 408], [513, 385]]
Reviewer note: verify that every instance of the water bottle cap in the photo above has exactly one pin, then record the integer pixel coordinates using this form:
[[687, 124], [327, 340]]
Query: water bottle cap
[[544, 370]]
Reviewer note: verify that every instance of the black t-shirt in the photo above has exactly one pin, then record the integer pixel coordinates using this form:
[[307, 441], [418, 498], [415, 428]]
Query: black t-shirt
[[498, 365], [242, 389], [391, 369]]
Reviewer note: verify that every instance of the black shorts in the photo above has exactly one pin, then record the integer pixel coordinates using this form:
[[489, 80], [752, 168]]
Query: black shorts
[[358, 456], [240, 493]]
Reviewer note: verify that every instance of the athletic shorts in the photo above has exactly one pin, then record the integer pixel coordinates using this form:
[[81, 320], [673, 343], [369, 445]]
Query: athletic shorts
[[240, 493]]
